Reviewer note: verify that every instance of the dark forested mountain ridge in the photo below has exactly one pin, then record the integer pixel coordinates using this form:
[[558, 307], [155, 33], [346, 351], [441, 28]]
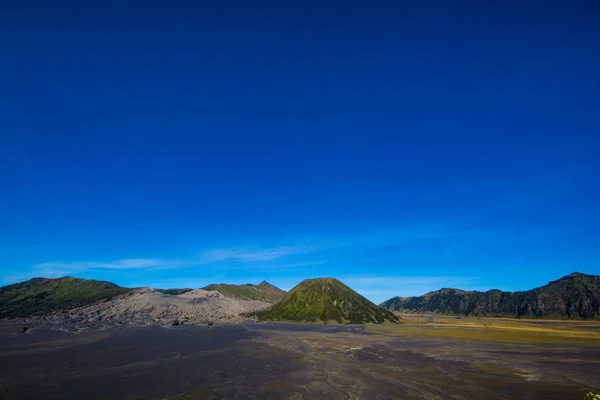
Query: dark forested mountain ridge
[[575, 296]]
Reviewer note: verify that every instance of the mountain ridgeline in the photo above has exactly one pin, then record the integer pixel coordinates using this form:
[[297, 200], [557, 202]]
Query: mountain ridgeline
[[576, 296], [174, 292], [46, 296], [325, 300], [41, 296], [264, 291]]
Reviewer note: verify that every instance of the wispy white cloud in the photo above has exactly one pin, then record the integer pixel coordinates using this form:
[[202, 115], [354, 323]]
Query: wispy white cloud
[[381, 288], [402, 281], [58, 269], [297, 255], [278, 265], [254, 254], [225, 258], [129, 263]]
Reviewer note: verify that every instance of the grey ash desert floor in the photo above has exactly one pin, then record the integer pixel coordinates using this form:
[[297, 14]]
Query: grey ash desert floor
[[281, 361]]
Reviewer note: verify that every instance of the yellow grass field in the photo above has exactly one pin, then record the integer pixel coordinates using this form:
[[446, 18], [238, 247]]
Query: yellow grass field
[[493, 329]]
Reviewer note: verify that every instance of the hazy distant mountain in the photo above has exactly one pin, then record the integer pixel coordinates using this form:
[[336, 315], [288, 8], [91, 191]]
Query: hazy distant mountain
[[40, 296], [174, 292], [264, 291], [575, 296], [325, 300]]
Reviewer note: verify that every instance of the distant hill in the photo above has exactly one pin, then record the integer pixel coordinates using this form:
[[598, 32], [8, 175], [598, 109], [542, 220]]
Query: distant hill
[[174, 292], [576, 296], [40, 296], [325, 300], [264, 291]]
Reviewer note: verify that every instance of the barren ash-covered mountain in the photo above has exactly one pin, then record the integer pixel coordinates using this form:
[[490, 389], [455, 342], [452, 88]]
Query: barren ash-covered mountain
[[79, 304]]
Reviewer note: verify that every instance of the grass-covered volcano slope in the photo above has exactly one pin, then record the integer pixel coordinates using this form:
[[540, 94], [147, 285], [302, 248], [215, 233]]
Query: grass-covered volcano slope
[[264, 291], [325, 300], [41, 296]]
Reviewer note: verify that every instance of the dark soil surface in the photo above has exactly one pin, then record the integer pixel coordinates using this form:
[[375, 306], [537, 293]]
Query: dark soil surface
[[284, 361]]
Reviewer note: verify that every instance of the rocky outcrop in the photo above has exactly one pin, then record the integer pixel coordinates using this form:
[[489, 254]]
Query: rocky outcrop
[[576, 296]]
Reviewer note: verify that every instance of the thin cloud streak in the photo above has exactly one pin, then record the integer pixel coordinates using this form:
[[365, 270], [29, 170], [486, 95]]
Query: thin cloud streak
[[381, 288], [293, 256], [226, 258], [254, 255], [279, 266], [242, 257], [444, 281], [130, 263]]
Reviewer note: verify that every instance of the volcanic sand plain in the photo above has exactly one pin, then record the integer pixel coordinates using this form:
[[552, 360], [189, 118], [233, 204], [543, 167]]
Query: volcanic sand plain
[[424, 357]]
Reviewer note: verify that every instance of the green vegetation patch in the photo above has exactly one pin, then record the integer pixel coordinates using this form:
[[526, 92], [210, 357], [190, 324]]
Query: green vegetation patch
[[490, 330], [40, 296], [325, 300], [263, 291]]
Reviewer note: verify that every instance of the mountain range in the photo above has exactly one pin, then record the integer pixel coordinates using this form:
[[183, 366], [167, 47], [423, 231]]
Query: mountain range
[[576, 296], [87, 303], [44, 296]]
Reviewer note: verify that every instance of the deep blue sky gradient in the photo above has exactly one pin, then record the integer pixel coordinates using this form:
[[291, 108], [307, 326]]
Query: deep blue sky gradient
[[399, 146]]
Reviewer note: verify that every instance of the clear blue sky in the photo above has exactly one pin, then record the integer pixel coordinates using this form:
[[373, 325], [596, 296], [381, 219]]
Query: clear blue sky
[[399, 146]]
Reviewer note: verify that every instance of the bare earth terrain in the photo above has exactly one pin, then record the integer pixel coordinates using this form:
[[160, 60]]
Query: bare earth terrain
[[145, 307], [423, 358]]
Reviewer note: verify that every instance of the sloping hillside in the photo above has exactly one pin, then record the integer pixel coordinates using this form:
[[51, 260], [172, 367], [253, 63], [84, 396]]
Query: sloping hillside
[[150, 305], [145, 306], [264, 291], [41, 295], [576, 296], [325, 300]]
